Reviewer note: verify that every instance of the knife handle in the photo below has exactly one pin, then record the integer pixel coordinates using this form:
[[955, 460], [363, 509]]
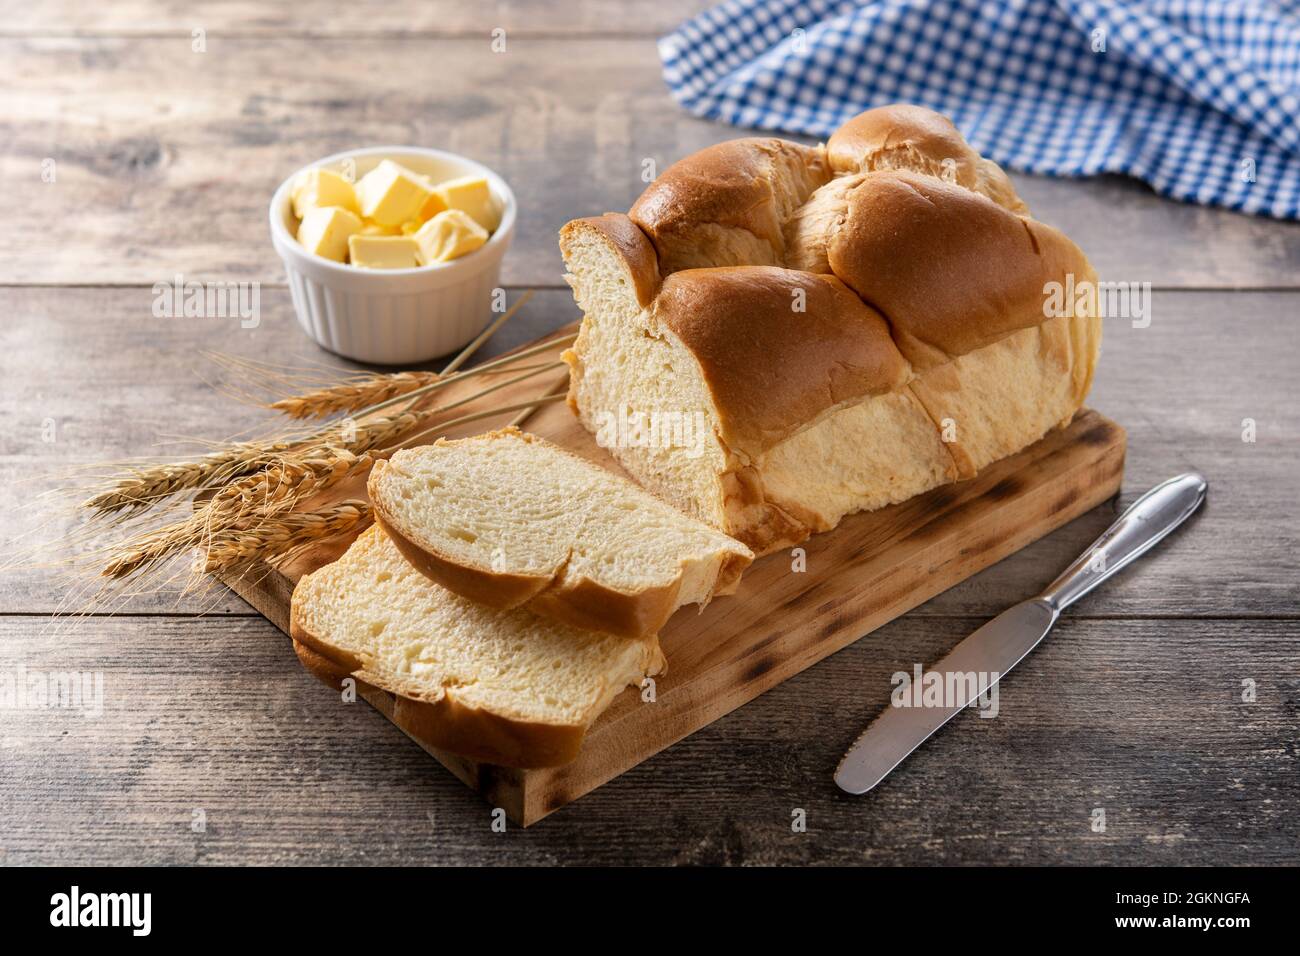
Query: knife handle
[[1138, 529]]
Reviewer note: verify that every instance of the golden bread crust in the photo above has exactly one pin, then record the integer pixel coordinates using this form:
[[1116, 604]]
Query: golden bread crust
[[902, 136], [927, 284], [725, 205], [952, 270], [630, 243], [742, 325]]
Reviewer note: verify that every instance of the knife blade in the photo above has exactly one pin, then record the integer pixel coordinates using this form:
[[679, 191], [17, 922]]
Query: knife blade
[[994, 649]]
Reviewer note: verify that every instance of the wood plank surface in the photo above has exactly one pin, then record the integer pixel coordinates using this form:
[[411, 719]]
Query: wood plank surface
[[323, 18], [166, 159], [1141, 717]]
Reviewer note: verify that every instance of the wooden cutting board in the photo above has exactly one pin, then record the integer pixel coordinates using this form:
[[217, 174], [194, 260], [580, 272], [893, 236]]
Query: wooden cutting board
[[865, 573]]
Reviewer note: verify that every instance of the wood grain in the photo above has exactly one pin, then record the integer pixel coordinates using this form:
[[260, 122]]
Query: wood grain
[[322, 18], [166, 159], [1141, 717]]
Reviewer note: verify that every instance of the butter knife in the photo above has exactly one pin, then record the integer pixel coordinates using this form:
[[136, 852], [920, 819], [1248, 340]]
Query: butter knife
[[1004, 641]]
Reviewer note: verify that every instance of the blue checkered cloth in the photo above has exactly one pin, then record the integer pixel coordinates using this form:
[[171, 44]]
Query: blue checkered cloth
[[1200, 99]]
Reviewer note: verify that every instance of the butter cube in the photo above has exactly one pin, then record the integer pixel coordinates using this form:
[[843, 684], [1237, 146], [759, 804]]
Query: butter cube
[[449, 235], [317, 188], [390, 194], [384, 252], [432, 206], [375, 229], [325, 231], [470, 194]]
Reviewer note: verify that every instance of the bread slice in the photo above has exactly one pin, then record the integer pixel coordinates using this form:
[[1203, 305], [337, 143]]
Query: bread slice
[[503, 686], [510, 520]]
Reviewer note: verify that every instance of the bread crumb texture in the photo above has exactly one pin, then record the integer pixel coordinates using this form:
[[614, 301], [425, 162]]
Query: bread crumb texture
[[375, 614], [510, 503]]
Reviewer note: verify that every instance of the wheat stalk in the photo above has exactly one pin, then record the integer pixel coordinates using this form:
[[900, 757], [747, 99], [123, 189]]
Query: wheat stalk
[[146, 486], [531, 405], [258, 488], [143, 487], [290, 480], [146, 550], [281, 537], [321, 401], [380, 390], [385, 431], [277, 489], [561, 387], [296, 479], [352, 396], [370, 390]]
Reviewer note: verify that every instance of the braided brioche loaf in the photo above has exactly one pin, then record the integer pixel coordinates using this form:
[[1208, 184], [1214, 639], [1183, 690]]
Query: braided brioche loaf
[[853, 324]]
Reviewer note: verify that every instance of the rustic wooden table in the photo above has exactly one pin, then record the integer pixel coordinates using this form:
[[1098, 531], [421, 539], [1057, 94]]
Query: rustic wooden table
[[164, 158]]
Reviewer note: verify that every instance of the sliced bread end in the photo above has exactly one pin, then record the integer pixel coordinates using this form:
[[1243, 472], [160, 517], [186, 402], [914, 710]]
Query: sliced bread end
[[335, 640]]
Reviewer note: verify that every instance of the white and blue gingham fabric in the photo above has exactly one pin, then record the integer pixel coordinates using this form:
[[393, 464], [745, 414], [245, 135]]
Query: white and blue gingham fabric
[[1199, 98]]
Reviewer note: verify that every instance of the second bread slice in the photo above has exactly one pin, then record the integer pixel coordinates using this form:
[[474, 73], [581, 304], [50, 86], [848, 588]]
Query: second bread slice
[[510, 520], [505, 687]]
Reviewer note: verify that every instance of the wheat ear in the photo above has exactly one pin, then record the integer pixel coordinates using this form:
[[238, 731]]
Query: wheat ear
[[282, 485], [281, 537], [278, 488], [145, 486], [352, 396], [503, 364]]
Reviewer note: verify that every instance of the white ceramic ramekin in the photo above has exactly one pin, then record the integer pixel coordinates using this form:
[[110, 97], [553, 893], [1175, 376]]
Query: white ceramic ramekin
[[394, 316]]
